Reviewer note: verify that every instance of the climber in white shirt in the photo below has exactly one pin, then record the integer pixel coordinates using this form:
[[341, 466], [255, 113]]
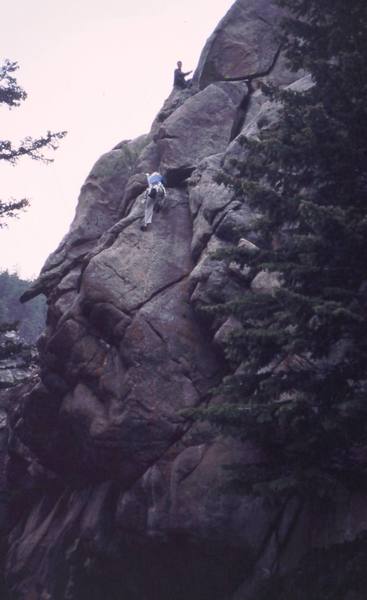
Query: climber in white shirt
[[154, 197]]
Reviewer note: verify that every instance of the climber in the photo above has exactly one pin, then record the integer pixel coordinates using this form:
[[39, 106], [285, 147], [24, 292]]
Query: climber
[[154, 197], [179, 77]]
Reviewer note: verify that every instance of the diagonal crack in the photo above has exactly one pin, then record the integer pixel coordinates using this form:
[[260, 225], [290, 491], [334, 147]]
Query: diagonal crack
[[111, 268], [106, 241], [158, 333], [190, 471], [162, 289], [262, 18]]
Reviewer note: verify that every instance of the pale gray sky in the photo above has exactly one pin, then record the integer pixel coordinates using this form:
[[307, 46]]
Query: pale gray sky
[[100, 70]]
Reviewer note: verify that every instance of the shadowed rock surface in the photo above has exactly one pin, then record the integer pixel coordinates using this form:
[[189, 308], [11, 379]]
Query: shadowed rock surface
[[117, 494]]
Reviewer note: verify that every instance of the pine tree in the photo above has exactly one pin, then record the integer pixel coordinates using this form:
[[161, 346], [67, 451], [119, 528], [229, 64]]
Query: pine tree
[[299, 363], [11, 95]]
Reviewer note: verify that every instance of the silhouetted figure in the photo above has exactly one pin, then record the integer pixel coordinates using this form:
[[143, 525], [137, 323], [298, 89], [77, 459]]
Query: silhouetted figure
[[179, 78]]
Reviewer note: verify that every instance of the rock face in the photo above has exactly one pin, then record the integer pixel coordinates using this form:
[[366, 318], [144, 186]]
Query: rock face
[[244, 43], [118, 494], [17, 360], [18, 365]]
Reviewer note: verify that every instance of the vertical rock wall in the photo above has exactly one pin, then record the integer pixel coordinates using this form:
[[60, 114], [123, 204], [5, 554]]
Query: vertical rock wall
[[118, 495]]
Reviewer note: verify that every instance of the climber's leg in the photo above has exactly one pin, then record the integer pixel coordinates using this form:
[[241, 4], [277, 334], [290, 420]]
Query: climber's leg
[[148, 213], [160, 201]]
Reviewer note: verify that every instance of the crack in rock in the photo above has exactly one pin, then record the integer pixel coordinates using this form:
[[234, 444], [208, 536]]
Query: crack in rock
[[158, 333], [162, 289]]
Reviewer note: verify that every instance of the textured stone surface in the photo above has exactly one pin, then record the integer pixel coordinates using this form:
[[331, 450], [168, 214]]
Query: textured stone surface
[[18, 361], [117, 493], [244, 43], [266, 282], [199, 127], [99, 205], [129, 352]]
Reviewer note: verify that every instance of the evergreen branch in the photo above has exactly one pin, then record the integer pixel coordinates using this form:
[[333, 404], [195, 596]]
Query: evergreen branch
[[30, 147]]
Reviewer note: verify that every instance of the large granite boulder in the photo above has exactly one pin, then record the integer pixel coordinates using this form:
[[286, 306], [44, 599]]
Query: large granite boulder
[[129, 352], [244, 43], [100, 203], [198, 128], [118, 492]]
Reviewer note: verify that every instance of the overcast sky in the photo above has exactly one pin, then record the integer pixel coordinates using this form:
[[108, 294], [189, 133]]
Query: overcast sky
[[101, 71]]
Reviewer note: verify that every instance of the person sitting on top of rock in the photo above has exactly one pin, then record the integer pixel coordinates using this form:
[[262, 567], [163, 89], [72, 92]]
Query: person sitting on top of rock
[[154, 197], [179, 78]]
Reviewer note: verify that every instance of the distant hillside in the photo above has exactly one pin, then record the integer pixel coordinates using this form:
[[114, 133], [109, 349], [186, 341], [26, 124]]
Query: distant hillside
[[31, 316]]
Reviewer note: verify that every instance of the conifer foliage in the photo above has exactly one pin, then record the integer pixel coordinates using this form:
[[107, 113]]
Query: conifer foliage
[[299, 361], [13, 351], [11, 95]]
